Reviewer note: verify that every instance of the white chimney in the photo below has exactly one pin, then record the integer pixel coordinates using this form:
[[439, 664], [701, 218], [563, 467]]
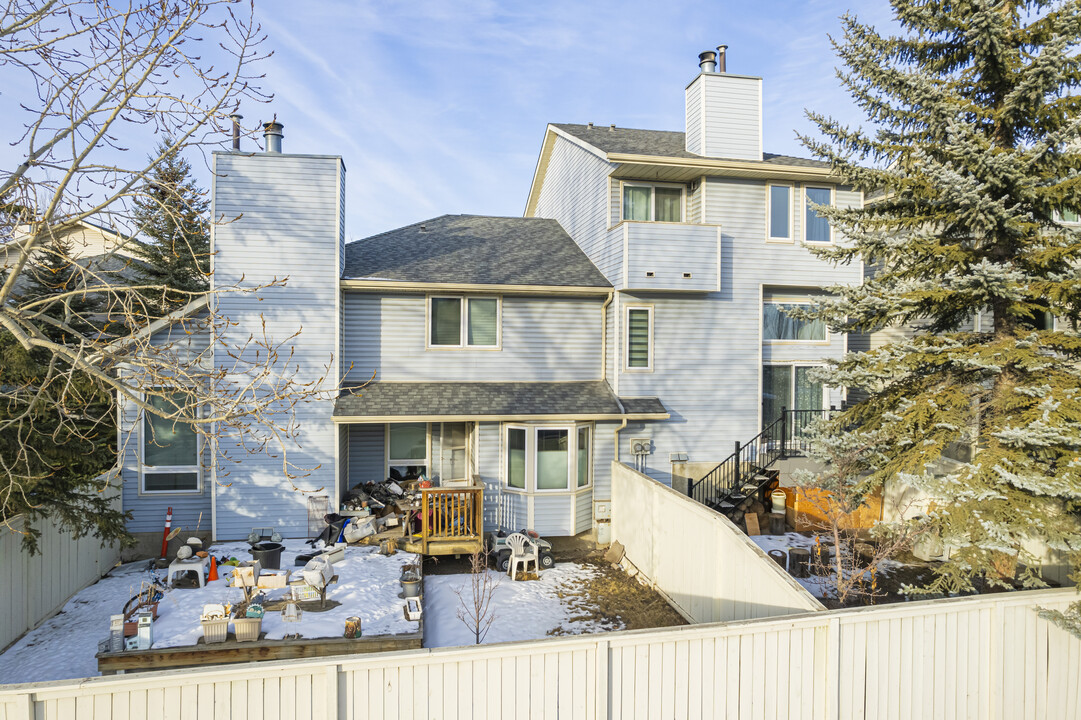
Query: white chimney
[[724, 111]]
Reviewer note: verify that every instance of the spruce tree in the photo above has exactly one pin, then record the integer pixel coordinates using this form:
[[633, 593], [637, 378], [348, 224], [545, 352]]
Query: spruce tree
[[172, 233], [59, 426], [969, 163]]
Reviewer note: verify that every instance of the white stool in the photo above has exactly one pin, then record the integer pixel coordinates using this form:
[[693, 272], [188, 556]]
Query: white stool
[[195, 564]]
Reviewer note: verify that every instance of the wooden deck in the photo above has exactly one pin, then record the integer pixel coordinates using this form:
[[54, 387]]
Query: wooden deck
[[232, 651], [451, 523]]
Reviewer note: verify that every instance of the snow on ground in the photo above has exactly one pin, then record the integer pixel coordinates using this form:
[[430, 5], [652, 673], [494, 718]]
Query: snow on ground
[[524, 609], [819, 586], [64, 646]]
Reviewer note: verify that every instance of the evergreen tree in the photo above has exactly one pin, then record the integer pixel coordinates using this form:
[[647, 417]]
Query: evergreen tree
[[60, 429], [172, 233], [971, 164]]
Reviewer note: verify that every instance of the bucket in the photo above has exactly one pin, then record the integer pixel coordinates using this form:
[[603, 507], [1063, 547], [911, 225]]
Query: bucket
[[779, 499], [411, 588], [269, 554]]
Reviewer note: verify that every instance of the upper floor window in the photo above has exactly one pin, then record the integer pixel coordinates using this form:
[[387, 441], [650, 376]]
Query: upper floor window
[[646, 202], [170, 447], [816, 228], [639, 338], [456, 322], [780, 212], [777, 325]]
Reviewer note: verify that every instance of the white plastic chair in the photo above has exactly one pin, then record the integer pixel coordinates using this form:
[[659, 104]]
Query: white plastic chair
[[520, 553]]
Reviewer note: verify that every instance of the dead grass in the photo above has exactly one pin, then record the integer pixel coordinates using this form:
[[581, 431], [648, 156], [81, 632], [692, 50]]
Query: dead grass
[[616, 601]]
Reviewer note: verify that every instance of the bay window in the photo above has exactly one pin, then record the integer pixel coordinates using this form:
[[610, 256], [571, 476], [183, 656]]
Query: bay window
[[644, 202], [456, 322], [539, 459], [170, 447]]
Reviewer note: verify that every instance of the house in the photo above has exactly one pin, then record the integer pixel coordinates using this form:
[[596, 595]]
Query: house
[[636, 310]]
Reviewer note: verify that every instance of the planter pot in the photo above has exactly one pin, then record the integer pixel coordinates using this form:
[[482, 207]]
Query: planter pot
[[410, 588], [247, 629], [215, 631]]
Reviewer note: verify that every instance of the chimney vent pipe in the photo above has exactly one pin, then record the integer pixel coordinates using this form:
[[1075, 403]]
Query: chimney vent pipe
[[236, 118], [272, 133], [722, 51], [707, 61]]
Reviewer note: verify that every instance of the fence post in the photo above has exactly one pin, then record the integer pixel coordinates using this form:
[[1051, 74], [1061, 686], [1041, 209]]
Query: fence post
[[833, 669], [603, 687], [332, 692]]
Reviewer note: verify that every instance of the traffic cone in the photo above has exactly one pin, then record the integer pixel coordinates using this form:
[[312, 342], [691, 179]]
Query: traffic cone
[[213, 569]]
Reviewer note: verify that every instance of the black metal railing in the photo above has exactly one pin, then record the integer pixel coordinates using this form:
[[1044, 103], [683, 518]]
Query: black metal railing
[[743, 473]]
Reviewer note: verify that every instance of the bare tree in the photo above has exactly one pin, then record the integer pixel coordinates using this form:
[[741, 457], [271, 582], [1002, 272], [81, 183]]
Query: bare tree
[[475, 609], [96, 83]]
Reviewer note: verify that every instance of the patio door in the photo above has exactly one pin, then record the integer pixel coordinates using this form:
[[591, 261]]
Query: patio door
[[791, 387], [455, 466]]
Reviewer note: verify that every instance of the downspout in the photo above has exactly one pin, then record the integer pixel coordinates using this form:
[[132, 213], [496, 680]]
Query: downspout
[[604, 335]]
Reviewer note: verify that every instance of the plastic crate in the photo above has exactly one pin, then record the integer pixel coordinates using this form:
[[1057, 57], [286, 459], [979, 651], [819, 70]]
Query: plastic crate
[[304, 592]]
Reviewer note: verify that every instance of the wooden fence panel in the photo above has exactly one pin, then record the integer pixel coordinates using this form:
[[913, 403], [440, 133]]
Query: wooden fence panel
[[34, 587]]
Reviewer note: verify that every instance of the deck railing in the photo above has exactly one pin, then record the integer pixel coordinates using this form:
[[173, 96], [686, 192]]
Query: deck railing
[[452, 513]]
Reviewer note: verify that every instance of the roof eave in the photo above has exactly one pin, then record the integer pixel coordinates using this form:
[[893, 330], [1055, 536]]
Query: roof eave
[[744, 168], [561, 417], [550, 135], [372, 285]]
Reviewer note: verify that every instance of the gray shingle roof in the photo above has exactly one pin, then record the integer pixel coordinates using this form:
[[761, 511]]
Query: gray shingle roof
[[488, 399], [662, 143], [475, 249]]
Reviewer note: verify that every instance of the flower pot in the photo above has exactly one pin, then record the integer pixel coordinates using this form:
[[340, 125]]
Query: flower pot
[[410, 588], [215, 631], [247, 629]]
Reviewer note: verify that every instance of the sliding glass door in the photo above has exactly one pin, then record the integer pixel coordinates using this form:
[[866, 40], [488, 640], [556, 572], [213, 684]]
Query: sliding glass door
[[789, 387]]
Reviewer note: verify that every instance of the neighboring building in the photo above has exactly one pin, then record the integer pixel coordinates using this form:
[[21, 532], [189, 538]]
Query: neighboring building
[[639, 300]]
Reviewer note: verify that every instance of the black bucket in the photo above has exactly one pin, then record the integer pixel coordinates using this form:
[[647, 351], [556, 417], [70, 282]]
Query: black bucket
[[269, 554]]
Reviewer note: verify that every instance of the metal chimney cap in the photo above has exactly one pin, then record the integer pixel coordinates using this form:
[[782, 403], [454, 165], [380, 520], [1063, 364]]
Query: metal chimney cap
[[707, 61], [272, 133]]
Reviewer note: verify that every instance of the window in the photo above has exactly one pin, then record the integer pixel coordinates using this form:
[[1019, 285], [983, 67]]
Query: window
[[789, 387], [779, 326], [639, 338], [170, 448], [539, 459], [407, 450], [780, 212], [453, 452], [456, 322], [660, 203], [1070, 216], [816, 228]]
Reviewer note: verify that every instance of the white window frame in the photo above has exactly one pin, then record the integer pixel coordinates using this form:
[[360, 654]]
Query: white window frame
[[787, 239], [805, 207], [463, 322], [163, 469], [532, 458], [466, 448], [390, 462], [627, 338], [787, 301], [1061, 218], [653, 201]]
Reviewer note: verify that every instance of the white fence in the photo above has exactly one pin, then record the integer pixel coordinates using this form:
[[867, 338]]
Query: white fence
[[979, 657], [707, 568], [33, 587]]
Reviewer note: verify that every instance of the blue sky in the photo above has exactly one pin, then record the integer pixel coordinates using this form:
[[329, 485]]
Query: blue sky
[[440, 106]]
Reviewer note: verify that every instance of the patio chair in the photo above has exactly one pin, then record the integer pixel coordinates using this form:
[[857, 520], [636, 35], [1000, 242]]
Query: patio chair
[[522, 550]]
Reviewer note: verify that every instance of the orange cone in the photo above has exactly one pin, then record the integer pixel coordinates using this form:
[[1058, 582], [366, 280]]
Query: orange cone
[[213, 569]]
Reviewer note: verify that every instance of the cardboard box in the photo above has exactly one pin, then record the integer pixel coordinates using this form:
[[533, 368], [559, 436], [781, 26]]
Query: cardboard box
[[246, 574], [273, 579]]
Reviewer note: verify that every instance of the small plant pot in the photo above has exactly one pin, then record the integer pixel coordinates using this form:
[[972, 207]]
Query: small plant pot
[[215, 631], [410, 588], [247, 629]]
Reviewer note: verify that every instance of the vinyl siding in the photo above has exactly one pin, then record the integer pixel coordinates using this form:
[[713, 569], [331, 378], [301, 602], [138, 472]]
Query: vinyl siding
[[727, 121], [576, 194], [583, 512], [366, 453], [188, 341], [283, 220], [668, 251], [544, 339], [603, 455], [552, 514]]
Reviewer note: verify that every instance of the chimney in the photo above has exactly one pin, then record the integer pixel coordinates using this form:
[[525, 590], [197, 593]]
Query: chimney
[[272, 133], [707, 61], [236, 118], [724, 112]]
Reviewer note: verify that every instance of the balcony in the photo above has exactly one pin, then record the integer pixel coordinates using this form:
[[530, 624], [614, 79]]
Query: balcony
[[670, 256]]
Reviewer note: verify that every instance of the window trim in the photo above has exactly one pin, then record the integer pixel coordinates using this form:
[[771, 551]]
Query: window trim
[[627, 338], [792, 191], [532, 457], [805, 207], [787, 301], [389, 462], [463, 322], [653, 201], [162, 469]]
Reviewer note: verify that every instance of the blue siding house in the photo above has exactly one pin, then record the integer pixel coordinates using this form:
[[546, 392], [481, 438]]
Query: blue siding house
[[639, 300]]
